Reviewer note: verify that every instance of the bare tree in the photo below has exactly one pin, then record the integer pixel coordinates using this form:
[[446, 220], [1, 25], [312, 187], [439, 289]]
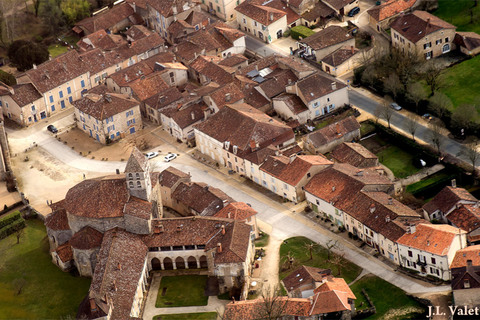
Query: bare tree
[[470, 151], [290, 259], [272, 305], [19, 234], [386, 112], [416, 93], [331, 244], [411, 122], [310, 247], [437, 132], [393, 85], [338, 261], [433, 76], [440, 104], [463, 116]]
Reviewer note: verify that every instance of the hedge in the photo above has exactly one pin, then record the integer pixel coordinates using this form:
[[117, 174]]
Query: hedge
[[11, 228], [10, 218], [300, 31]]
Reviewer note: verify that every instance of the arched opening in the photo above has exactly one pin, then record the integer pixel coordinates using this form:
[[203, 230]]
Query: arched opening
[[446, 48], [130, 184], [156, 265], [180, 263], [139, 185], [137, 175], [192, 263], [167, 264], [130, 176], [203, 262]]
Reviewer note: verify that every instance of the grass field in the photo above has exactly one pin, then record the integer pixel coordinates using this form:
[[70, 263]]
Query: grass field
[[413, 188], [397, 160], [46, 291], [57, 49], [297, 248], [188, 316], [262, 241], [388, 299], [182, 291], [457, 12]]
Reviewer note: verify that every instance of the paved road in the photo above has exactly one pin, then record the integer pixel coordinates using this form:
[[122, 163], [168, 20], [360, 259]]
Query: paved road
[[398, 121], [261, 48]]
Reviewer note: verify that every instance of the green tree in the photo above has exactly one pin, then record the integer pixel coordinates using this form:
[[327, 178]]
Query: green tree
[[7, 78], [52, 17], [75, 10], [23, 54]]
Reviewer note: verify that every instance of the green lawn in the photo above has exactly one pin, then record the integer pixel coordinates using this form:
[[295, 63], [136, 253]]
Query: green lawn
[[457, 12], [188, 316], [414, 187], [297, 247], [462, 82], [386, 297], [397, 160], [57, 49], [182, 291], [47, 292], [262, 241]]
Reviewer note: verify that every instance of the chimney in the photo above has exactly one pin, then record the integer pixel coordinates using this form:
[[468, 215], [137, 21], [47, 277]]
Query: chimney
[[337, 128], [223, 228], [390, 200], [271, 16], [334, 86], [252, 145], [193, 115], [387, 219], [219, 247], [93, 305], [179, 228], [119, 266], [229, 215], [114, 285], [126, 78], [411, 229], [34, 66], [228, 97], [372, 208], [454, 183], [333, 188], [65, 66], [428, 22], [175, 49], [469, 263], [352, 49]]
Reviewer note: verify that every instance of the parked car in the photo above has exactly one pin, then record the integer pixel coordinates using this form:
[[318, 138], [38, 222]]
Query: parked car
[[353, 12], [151, 155], [52, 128], [395, 106], [427, 116], [169, 157]]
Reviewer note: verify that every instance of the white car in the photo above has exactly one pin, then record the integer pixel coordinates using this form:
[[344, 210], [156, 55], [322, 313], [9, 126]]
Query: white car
[[169, 157], [395, 106], [151, 155]]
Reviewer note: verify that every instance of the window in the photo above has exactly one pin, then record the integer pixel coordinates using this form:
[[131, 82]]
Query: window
[[139, 184], [410, 254], [434, 260], [255, 23], [446, 39], [33, 108], [428, 55], [446, 48], [69, 90], [408, 263], [52, 107], [97, 79], [439, 41], [308, 175], [427, 45], [62, 104], [70, 99], [130, 122], [466, 283], [218, 9], [51, 99], [82, 83], [244, 21], [129, 113]]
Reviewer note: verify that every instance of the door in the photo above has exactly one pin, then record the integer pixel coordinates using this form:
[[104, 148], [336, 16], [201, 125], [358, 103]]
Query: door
[[279, 34], [35, 118]]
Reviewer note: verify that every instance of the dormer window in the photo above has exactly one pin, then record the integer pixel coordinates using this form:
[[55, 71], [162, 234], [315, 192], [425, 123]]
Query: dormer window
[[130, 176], [466, 283], [235, 149], [137, 175]]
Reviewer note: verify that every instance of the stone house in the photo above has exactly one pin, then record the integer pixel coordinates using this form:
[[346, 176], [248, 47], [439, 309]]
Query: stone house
[[301, 282], [180, 122], [341, 7], [355, 154], [430, 249], [468, 42], [107, 116], [341, 61], [327, 138], [163, 13], [326, 41], [318, 15], [168, 180], [240, 211], [379, 17], [447, 200], [422, 33], [465, 269], [22, 103]]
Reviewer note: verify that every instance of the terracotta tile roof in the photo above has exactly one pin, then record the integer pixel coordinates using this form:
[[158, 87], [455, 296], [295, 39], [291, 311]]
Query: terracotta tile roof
[[465, 217], [86, 238], [233, 60], [469, 253], [187, 51], [327, 37], [292, 172], [226, 94], [366, 176], [236, 210], [260, 13], [211, 70], [469, 40], [460, 275], [120, 262], [198, 198], [204, 231], [303, 275], [240, 124], [355, 154], [330, 301], [65, 252], [292, 16], [57, 220], [107, 19], [255, 309], [98, 60], [197, 18], [101, 39], [390, 9], [139, 208], [148, 86], [339, 56], [102, 104], [138, 3], [163, 98], [252, 96], [316, 86], [293, 102], [337, 284], [446, 199], [333, 131], [276, 82], [145, 44], [319, 10], [138, 32], [179, 28], [170, 176], [419, 24], [432, 238], [58, 205], [25, 94], [259, 64], [187, 116], [165, 7], [108, 193], [57, 71], [260, 155], [338, 4], [137, 162]]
